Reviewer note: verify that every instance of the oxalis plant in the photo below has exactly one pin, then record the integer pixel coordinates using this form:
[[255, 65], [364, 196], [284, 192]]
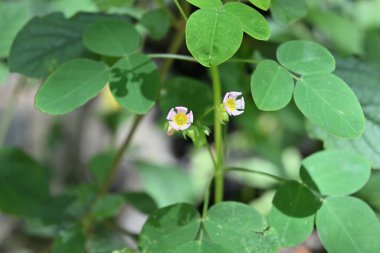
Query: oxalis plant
[[78, 57]]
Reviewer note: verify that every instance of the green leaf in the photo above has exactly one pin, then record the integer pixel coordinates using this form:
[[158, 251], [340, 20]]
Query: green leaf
[[135, 83], [141, 201], [166, 184], [364, 80], [327, 101], [169, 228], [347, 224], [293, 212], [335, 172], [111, 37], [157, 22], [288, 11], [240, 228], [44, 43], [272, 86], [188, 92], [108, 4], [213, 36], [206, 4], [370, 192], [71, 86], [107, 207], [202, 247], [23, 184], [105, 239], [262, 4], [4, 72], [69, 240], [13, 16], [305, 57], [100, 165], [252, 21]]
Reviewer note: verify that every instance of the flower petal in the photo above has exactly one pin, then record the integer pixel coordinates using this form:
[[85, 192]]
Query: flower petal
[[171, 114], [226, 97], [235, 94], [228, 110], [181, 109], [236, 113], [185, 126], [240, 103], [174, 125], [190, 117]]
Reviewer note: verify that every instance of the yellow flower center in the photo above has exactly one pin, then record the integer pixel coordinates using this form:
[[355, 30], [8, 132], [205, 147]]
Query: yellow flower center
[[231, 104], [180, 119]]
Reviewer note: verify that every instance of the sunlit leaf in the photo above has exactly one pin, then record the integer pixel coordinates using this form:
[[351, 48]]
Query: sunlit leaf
[[288, 11]]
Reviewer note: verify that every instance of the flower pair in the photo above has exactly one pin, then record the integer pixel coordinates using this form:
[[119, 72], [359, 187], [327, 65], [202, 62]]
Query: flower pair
[[180, 119]]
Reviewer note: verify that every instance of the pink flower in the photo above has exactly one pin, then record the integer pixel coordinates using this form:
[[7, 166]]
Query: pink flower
[[233, 105], [179, 119]]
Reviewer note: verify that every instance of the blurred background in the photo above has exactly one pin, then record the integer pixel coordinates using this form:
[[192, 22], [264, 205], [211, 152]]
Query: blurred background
[[170, 169]]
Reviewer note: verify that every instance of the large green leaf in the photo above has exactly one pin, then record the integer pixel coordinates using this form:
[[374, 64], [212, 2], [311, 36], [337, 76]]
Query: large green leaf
[[23, 184], [272, 86], [111, 37], [364, 80], [213, 36], [305, 57], [252, 21], [188, 92], [13, 16], [166, 184], [240, 228], [335, 172], [44, 43], [347, 224], [262, 4], [293, 212], [202, 247], [327, 101], [288, 11], [69, 240], [206, 4], [169, 228], [135, 83], [71, 86]]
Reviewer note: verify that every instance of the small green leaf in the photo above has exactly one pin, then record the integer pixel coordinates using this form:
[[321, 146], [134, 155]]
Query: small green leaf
[[327, 101], [262, 4], [288, 11], [305, 57], [188, 92], [100, 165], [157, 22], [370, 192], [252, 21], [292, 214], [111, 37], [272, 86], [71, 86], [107, 207], [23, 184], [202, 247], [69, 240], [213, 36], [240, 228], [347, 224], [135, 83], [141, 201], [206, 4], [169, 228], [335, 172]]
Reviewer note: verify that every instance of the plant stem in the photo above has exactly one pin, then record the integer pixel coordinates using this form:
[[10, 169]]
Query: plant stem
[[180, 10], [173, 56], [218, 136], [119, 156], [255, 172], [6, 117]]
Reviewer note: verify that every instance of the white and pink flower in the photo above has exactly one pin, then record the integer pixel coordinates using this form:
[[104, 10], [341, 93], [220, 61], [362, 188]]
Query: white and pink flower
[[234, 105], [179, 119]]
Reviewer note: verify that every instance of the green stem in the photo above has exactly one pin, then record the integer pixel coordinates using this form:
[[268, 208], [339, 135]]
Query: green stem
[[180, 10], [218, 136], [230, 169], [119, 156], [173, 56], [7, 115]]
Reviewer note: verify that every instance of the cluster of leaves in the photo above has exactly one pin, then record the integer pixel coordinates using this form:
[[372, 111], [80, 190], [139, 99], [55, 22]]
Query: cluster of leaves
[[79, 56]]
